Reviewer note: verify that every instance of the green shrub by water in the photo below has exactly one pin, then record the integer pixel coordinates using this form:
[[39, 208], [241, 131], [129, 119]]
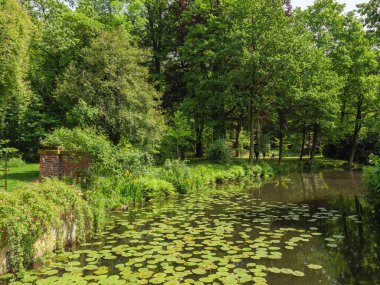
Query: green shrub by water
[[372, 175], [178, 173], [34, 209], [144, 189]]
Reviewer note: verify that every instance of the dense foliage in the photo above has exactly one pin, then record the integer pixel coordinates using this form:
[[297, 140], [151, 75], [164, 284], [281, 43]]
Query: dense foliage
[[372, 175], [102, 152], [37, 209], [137, 84], [171, 78]]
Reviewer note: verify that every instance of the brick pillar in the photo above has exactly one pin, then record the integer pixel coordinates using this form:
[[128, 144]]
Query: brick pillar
[[59, 163], [49, 163]]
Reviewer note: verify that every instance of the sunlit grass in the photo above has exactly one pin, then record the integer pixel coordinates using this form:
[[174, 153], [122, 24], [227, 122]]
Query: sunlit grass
[[18, 175]]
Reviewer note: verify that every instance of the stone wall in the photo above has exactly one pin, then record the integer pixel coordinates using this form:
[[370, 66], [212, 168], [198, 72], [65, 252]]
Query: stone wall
[[47, 243], [59, 163]]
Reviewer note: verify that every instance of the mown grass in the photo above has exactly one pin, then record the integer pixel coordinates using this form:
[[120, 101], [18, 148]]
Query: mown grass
[[23, 174]]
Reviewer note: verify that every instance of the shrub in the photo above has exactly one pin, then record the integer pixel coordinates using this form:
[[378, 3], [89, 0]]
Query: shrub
[[144, 189], [203, 177], [104, 190], [135, 161], [105, 157], [218, 152], [152, 188], [372, 174], [236, 172], [178, 173], [266, 169], [29, 212], [229, 174], [253, 171], [16, 162]]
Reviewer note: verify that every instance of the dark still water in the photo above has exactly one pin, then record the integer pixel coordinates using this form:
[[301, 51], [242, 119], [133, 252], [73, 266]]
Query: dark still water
[[300, 229]]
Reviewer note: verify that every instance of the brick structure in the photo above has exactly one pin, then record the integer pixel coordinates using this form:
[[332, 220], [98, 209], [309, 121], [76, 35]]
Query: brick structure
[[59, 163]]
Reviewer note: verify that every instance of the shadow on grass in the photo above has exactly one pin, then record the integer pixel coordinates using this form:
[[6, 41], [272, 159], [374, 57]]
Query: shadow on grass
[[22, 174]]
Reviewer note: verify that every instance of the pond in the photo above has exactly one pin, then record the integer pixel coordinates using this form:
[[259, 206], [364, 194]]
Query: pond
[[304, 228]]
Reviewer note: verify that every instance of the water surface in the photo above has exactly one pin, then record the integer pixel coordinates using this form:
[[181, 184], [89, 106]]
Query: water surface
[[304, 228]]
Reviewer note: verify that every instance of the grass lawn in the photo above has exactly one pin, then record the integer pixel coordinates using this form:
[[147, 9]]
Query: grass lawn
[[17, 175]]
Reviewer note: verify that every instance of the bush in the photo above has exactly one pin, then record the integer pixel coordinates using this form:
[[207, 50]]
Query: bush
[[231, 173], [266, 169], [136, 162], [144, 189], [218, 152], [178, 173], [202, 177], [106, 160], [16, 162], [152, 188], [29, 212], [253, 171], [372, 174]]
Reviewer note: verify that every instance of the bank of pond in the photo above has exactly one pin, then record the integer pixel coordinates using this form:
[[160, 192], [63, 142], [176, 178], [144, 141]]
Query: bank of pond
[[299, 228]]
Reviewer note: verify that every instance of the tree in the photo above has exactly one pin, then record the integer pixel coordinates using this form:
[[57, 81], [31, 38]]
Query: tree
[[344, 41], [371, 13], [109, 89], [361, 97], [15, 36], [257, 29]]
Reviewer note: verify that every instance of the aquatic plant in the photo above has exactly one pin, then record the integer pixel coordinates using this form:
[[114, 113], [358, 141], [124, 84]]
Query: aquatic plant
[[193, 241]]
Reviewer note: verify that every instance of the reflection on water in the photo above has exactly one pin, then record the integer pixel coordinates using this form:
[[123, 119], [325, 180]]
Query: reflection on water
[[305, 228], [357, 259], [309, 187]]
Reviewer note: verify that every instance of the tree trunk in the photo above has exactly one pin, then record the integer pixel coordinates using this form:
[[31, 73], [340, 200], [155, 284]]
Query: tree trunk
[[219, 129], [303, 143], [237, 139], [314, 145], [199, 140], [178, 152], [343, 111], [358, 126], [258, 141], [281, 118], [251, 136]]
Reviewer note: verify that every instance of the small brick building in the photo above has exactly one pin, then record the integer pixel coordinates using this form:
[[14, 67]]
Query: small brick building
[[59, 163]]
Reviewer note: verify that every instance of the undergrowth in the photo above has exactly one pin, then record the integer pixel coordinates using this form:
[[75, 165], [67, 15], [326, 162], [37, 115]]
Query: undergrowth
[[26, 214]]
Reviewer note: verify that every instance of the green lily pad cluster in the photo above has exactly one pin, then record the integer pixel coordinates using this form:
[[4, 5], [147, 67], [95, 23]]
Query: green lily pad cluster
[[223, 238]]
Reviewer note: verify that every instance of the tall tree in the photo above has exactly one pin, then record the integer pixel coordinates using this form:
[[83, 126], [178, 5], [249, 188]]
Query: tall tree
[[371, 13], [109, 89], [15, 37], [257, 28], [344, 40]]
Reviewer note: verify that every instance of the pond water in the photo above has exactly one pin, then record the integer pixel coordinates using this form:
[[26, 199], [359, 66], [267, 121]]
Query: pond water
[[304, 228]]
